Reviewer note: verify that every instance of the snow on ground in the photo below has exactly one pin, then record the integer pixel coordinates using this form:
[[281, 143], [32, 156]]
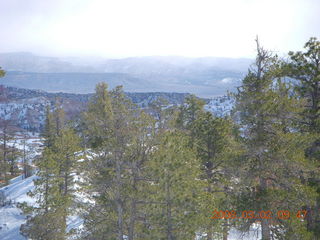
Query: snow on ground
[[11, 216], [32, 145], [11, 219], [253, 234], [220, 106], [18, 189]]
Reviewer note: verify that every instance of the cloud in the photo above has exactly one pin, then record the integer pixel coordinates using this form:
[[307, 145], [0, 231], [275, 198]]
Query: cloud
[[227, 80]]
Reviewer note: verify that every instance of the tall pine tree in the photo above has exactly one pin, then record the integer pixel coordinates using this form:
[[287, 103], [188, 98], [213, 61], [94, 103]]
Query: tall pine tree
[[304, 68], [273, 149], [55, 185]]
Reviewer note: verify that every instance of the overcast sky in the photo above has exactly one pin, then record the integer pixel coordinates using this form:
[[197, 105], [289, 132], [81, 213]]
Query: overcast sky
[[122, 28]]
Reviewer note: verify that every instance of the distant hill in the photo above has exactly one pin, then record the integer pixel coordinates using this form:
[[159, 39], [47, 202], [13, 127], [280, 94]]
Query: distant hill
[[28, 62], [72, 82], [205, 77]]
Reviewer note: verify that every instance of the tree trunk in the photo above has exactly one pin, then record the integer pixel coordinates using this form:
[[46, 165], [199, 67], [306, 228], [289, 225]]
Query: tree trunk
[[132, 220], [209, 234], [225, 230], [46, 193], [265, 228], [24, 159], [209, 176], [118, 200], [309, 218], [133, 210], [5, 154], [169, 220], [66, 192]]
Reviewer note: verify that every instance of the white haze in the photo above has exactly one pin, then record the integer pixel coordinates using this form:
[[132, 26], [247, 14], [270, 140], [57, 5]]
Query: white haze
[[122, 28]]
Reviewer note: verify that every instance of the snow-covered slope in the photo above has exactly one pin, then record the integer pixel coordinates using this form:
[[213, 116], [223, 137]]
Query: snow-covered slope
[[27, 113], [11, 216], [220, 106]]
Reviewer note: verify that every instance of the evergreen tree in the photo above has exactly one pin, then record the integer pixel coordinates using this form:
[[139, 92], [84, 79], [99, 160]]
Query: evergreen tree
[[3, 164], [187, 115], [6, 135], [27, 154], [162, 113], [109, 122], [273, 148], [215, 147], [304, 67], [55, 185], [214, 144], [14, 154], [140, 151], [2, 72], [176, 189]]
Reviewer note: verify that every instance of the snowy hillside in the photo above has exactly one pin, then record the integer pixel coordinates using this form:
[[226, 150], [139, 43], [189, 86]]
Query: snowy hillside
[[26, 108], [11, 216], [26, 113], [220, 106]]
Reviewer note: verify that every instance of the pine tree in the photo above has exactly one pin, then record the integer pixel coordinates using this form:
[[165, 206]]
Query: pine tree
[[304, 67], [109, 122], [187, 115], [214, 144], [215, 147], [46, 222], [140, 152], [2, 72], [14, 154], [27, 153], [6, 135], [175, 190], [66, 147], [3, 164], [162, 113], [55, 185], [273, 148], [48, 132]]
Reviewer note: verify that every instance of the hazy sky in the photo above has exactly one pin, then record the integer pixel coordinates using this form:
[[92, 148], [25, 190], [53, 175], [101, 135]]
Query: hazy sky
[[121, 28]]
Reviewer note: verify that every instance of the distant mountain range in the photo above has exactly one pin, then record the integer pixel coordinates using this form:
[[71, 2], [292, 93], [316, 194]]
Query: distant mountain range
[[205, 77]]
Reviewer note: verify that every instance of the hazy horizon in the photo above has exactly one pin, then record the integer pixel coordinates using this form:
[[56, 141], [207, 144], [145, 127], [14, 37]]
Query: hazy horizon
[[121, 57], [142, 28]]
